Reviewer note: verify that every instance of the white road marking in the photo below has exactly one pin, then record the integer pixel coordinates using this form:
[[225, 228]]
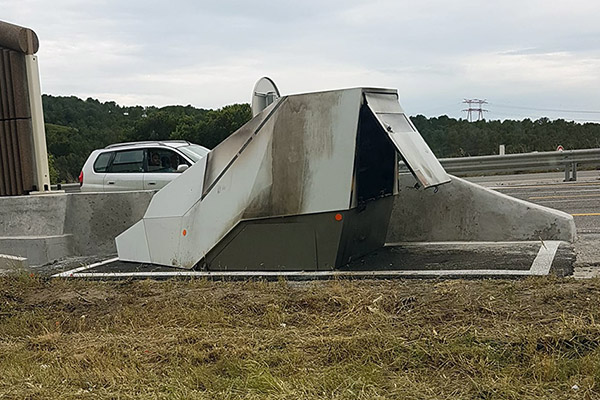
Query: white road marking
[[543, 261], [541, 266], [72, 272], [304, 274]]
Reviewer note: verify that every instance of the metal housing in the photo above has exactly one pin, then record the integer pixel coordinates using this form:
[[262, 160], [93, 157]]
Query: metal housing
[[307, 184]]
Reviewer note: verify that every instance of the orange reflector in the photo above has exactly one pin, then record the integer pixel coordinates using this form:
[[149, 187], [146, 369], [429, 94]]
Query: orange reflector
[[184, 232], [338, 217]]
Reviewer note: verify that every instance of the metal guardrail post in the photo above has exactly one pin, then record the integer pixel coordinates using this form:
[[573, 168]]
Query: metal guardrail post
[[570, 172], [66, 187], [515, 163]]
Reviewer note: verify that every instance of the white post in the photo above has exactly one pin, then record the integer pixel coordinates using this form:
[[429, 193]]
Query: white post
[[502, 150], [40, 151]]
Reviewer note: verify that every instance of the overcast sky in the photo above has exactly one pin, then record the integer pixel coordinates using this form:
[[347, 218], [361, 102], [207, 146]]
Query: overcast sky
[[526, 57]]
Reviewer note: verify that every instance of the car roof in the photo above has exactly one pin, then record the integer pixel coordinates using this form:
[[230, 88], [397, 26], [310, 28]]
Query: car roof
[[149, 143]]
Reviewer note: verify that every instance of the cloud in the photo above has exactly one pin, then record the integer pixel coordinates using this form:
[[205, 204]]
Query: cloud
[[209, 54], [539, 72]]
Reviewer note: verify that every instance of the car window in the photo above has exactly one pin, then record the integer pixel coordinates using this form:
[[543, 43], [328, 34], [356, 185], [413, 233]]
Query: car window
[[128, 161], [162, 160], [101, 163], [194, 151], [178, 160]]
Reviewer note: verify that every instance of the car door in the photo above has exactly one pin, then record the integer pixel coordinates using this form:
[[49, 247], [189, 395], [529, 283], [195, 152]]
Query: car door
[[126, 172], [94, 171], [162, 167]]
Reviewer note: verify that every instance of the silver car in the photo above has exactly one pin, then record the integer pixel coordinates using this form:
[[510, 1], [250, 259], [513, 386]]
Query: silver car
[[138, 165]]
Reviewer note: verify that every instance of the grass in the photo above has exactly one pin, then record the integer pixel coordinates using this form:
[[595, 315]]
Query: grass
[[406, 339]]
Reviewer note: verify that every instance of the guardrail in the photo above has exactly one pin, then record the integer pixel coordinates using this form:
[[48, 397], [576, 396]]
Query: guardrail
[[67, 187], [506, 164], [514, 163]]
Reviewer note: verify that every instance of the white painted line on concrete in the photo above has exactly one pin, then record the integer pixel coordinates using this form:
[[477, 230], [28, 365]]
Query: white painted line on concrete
[[591, 214], [12, 258], [543, 261], [303, 274], [541, 266], [569, 185], [70, 273], [12, 263], [460, 243]]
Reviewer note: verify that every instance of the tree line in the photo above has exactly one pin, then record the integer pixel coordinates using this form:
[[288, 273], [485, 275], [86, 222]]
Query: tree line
[[449, 137], [76, 127]]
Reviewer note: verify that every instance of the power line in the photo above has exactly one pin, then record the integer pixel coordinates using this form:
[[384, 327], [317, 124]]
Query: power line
[[513, 115], [545, 109]]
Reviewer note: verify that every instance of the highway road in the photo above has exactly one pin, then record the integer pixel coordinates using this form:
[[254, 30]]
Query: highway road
[[580, 199]]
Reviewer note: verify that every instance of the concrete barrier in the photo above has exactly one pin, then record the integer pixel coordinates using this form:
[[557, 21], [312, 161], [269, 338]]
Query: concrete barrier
[[49, 227], [96, 219], [45, 228], [38, 250], [33, 215], [464, 211], [11, 264]]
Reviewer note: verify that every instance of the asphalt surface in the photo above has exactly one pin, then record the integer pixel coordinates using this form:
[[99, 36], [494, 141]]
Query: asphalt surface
[[580, 199], [402, 260]]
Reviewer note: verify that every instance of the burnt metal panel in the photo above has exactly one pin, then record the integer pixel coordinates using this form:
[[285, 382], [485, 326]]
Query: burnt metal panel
[[16, 165], [375, 164], [365, 229], [411, 146], [16, 147], [267, 247], [300, 242], [26, 154], [16, 158], [307, 184], [5, 186], [14, 100], [19, 104], [219, 161], [8, 159], [5, 84], [310, 242]]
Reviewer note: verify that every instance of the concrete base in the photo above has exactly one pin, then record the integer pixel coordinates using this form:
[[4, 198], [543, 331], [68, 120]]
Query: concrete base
[[33, 215], [464, 211], [12, 263], [57, 225], [402, 260], [38, 250], [49, 192]]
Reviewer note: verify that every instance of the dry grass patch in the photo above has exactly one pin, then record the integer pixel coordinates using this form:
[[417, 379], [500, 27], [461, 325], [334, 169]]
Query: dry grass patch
[[527, 339]]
